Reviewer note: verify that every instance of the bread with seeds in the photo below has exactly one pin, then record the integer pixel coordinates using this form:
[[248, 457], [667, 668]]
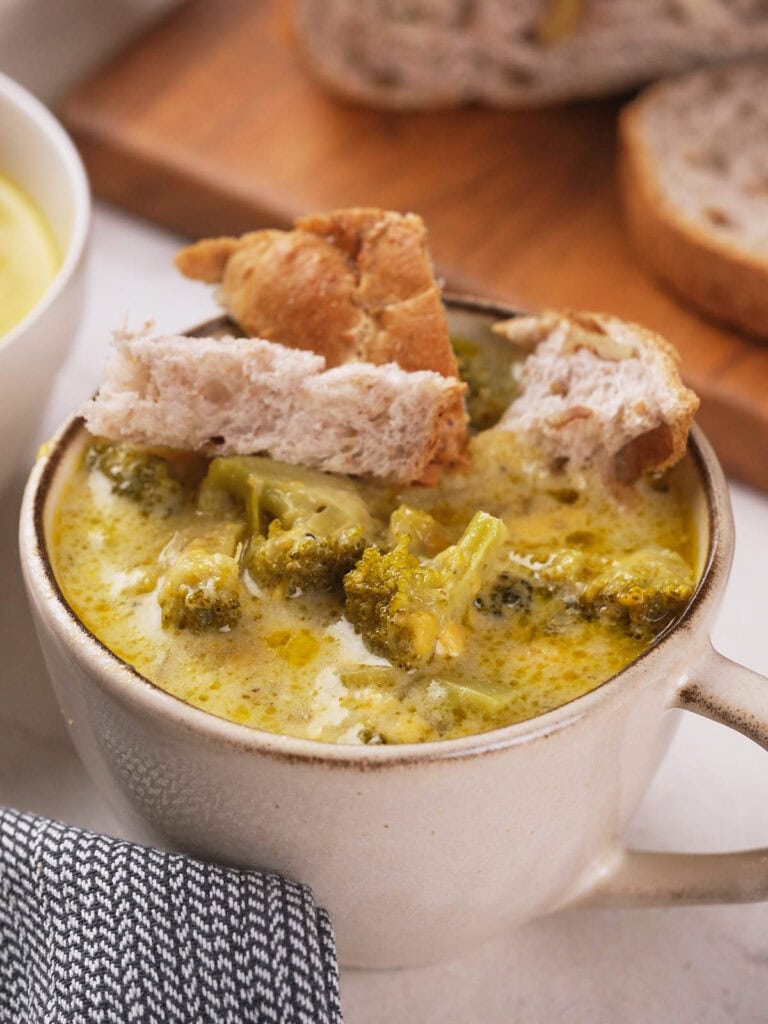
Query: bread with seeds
[[695, 189], [437, 53], [597, 391]]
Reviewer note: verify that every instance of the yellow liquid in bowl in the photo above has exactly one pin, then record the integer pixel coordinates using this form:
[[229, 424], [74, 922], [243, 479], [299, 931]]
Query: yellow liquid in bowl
[[29, 256]]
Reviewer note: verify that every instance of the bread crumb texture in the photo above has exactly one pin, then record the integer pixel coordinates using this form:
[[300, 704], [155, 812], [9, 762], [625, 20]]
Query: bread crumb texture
[[695, 185], [227, 396], [437, 53], [349, 366], [597, 391]]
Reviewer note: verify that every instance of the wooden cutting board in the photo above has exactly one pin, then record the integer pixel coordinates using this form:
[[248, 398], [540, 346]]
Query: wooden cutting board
[[209, 125]]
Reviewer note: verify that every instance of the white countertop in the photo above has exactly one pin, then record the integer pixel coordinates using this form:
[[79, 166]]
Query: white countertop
[[703, 965]]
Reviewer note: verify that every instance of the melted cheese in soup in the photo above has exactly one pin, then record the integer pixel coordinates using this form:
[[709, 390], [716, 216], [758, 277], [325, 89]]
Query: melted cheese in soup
[[588, 574]]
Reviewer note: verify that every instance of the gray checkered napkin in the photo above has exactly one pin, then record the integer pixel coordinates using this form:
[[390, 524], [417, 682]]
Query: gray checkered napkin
[[97, 931]]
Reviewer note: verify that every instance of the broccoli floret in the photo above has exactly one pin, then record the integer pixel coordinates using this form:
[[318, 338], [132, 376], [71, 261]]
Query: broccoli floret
[[201, 588], [307, 528], [297, 559], [641, 592], [135, 473], [404, 607]]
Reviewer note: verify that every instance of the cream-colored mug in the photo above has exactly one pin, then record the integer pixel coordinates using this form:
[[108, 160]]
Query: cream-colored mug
[[418, 851]]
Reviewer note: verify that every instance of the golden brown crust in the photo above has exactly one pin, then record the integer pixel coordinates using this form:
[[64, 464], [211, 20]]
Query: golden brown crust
[[345, 228], [664, 445], [293, 288], [717, 277], [205, 260], [351, 285]]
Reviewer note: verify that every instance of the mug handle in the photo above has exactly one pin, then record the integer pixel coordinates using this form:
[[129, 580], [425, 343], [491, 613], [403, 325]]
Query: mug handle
[[638, 878]]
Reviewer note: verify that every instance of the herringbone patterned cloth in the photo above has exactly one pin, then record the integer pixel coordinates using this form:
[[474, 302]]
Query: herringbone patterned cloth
[[97, 931]]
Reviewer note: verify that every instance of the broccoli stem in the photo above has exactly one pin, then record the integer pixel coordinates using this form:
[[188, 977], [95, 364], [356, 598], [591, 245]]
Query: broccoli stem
[[407, 609], [465, 564]]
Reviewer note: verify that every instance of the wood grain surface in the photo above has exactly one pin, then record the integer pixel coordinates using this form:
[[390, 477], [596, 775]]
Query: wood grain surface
[[209, 125]]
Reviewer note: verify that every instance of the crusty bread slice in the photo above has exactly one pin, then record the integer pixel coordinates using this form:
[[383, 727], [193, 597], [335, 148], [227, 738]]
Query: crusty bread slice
[[433, 53], [695, 186], [599, 392], [354, 285], [229, 395]]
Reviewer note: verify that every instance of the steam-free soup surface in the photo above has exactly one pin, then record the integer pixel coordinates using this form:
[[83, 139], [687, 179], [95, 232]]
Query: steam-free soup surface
[[586, 576], [29, 258]]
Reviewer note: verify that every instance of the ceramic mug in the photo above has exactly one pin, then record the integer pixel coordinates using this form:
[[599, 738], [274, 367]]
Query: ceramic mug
[[418, 851], [38, 156]]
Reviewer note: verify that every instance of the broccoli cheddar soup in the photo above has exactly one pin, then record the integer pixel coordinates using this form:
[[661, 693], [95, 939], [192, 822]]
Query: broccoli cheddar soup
[[29, 258], [318, 606]]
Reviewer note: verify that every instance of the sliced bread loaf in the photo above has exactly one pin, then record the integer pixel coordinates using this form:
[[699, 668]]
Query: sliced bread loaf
[[432, 53], [224, 396], [599, 392], [352, 285], [695, 187]]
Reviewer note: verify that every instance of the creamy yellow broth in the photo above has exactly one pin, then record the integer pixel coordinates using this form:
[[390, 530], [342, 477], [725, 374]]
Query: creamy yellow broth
[[29, 257], [293, 664]]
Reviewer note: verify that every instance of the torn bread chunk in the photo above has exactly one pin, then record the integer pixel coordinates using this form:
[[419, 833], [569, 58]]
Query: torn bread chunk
[[354, 285], [599, 392], [228, 396]]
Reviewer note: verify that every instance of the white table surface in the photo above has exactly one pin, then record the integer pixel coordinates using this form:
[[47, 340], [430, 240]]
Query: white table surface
[[705, 965]]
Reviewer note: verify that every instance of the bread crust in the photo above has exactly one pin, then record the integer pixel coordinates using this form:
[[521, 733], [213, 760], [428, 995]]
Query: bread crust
[[716, 276], [351, 285], [578, 402]]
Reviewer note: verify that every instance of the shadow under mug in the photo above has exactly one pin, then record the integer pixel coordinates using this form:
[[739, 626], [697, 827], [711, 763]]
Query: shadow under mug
[[418, 851]]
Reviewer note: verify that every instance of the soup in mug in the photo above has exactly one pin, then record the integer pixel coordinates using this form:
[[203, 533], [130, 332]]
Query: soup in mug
[[345, 611]]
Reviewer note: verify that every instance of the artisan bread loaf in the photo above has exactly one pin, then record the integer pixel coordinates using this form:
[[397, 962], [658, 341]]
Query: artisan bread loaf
[[432, 53], [225, 396], [597, 391], [352, 285], [695, 186]]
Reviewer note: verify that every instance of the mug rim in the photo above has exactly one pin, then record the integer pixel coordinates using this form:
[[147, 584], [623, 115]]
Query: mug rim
[[42, 121], [126, 683]]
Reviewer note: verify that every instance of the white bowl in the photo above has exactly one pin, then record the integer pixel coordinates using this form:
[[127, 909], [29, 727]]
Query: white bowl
[[38, 156]]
